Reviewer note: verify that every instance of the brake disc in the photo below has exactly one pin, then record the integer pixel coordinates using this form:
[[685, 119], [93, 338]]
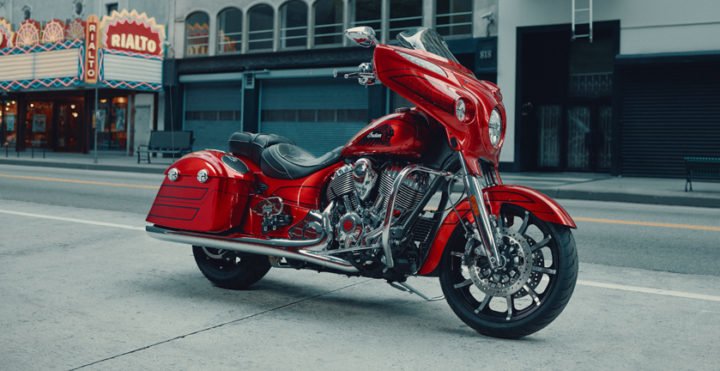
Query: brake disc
[[510, 278]]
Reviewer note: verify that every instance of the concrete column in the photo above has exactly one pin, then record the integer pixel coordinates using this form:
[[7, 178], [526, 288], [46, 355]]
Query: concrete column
[[428, 13], [346, 20], [385, 21], [276, 29], [245, 30], [311, 26], [212, 33]]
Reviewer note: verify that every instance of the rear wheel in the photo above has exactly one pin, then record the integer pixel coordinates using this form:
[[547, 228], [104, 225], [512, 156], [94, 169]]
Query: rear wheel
[[228, 269], [528, 292]]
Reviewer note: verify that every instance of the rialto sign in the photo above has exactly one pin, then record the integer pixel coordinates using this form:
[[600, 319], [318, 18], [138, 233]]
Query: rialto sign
[[132, 32]]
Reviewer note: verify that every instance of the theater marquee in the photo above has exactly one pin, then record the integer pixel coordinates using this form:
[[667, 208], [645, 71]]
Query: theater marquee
[[123, 50]]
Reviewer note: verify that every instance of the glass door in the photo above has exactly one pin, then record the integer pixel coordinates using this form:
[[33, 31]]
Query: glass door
[[68, 127]]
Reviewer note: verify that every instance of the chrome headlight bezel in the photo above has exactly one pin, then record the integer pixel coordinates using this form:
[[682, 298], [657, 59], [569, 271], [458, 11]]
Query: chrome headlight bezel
[[495, 127]]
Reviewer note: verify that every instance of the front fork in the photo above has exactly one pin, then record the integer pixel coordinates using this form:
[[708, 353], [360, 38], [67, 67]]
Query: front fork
[[484, 227]]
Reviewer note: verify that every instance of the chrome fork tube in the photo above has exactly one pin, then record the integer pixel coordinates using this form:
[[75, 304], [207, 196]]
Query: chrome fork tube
[[484, 227]]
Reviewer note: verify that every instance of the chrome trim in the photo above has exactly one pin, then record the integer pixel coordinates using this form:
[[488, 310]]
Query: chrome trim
[[387, 223], [290, 249], [482, 221]]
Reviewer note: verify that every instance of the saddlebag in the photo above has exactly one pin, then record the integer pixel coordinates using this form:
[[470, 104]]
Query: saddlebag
[[205, 191]]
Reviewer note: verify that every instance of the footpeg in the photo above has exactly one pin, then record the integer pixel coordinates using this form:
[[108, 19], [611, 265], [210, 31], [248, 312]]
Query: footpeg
[[404, 287]]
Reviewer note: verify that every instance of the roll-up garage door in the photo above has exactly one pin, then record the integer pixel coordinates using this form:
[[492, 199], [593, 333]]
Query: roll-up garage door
[[668, 112], [318, 114], [212, 112]]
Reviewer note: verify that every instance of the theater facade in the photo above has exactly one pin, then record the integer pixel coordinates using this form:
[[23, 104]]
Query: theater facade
[[60, 80]]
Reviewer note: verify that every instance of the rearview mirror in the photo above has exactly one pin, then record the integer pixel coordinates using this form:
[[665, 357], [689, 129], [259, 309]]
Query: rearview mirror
[[363, 36]]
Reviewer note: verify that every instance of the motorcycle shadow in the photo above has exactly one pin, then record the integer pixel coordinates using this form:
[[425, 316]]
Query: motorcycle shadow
[[341, 300], [310, 300]]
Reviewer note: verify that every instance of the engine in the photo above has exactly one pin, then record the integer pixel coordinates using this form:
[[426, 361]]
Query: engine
[[361, 192]]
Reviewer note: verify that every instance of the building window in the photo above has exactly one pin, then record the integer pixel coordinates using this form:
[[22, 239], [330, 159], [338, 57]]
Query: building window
[[454, 17], [368, 13], [293, 29], [78, 8], [260, 34], [111, 7], [197, 34], [27, 12], [404, 14], [229, 31], [328, 22]]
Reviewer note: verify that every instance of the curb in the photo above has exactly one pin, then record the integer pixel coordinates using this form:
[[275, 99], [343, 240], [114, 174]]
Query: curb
[[571, 194], [99, 167]]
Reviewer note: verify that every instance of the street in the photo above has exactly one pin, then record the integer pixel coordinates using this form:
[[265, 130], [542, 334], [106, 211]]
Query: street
[[83, 286]]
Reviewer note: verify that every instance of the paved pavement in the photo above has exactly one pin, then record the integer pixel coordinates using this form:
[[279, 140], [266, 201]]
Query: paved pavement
[[582, 186], [82, 286], [77, 294]]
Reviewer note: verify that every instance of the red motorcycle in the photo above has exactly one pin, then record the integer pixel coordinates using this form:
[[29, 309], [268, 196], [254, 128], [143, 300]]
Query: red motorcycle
[[417, 192]]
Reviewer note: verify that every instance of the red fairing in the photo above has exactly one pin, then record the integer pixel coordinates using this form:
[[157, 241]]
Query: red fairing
[[435, 88], [403, 134], [537, 203]]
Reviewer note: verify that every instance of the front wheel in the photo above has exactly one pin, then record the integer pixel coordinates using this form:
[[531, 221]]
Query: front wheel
[[528, 292], [228, 269]]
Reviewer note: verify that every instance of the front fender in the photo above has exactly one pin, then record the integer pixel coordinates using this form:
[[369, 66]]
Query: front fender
[[544, 207]]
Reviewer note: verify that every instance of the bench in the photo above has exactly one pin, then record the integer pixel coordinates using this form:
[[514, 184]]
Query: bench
[[705, 167], [170, 142]]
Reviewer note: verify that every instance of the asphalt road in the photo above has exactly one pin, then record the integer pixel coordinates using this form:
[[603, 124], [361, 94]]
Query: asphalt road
[[81, 285]]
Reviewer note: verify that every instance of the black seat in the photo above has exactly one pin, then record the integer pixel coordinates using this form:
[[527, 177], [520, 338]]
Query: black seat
[[251, 145], [288, 161]]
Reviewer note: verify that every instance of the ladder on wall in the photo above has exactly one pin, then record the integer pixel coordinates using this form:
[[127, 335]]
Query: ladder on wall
[[582, 15]]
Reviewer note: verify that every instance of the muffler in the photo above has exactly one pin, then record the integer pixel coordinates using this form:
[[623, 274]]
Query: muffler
[[290, 249]]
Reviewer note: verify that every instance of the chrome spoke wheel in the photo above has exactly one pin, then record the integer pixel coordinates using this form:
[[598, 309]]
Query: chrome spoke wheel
[[536, 257]]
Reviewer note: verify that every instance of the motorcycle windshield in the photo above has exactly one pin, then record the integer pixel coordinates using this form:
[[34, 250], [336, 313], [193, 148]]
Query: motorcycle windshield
[[426, 39]]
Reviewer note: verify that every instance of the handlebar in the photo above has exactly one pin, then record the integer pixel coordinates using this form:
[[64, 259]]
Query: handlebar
[[364, 74]]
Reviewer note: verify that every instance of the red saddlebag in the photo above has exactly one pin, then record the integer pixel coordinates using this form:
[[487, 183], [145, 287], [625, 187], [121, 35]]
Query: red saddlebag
[[215, 205]]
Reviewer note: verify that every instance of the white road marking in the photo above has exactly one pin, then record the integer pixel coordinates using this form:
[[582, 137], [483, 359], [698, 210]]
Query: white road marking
[[73, 220], [649, 290], [604, 285]]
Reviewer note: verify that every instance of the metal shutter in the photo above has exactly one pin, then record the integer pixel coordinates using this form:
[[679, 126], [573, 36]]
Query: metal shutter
[[318, 114], [668, 112], [212, 112]]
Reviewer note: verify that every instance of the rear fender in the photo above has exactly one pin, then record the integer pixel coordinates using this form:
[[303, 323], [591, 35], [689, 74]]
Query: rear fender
[[544, 207]]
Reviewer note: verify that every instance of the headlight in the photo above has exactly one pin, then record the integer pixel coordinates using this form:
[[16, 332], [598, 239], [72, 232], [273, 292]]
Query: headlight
[[495, 127], [173, 174], [464, 111], [460, 109], [202, 176]]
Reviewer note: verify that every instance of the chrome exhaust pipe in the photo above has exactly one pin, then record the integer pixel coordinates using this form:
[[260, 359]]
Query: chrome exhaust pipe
[[282, 248]]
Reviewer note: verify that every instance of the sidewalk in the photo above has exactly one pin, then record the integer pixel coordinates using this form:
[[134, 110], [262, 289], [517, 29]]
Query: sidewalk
[[581, 186]]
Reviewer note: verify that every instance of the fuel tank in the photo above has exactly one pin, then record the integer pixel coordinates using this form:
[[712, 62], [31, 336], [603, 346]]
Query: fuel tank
[[403, 134]]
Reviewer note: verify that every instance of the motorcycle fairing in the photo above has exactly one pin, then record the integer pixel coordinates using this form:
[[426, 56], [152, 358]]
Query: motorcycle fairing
[[537, 203], [436, 89]]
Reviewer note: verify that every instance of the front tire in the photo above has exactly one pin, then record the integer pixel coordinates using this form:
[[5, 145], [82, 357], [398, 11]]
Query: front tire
[[230, 270], [520, 299]]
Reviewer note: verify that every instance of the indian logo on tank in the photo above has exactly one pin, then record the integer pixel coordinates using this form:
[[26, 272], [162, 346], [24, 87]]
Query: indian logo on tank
[[381, 135]]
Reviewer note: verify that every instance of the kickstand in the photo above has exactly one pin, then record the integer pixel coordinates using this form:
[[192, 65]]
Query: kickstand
[[404, 287]]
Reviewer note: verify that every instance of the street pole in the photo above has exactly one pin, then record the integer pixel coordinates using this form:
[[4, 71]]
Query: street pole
[[95, 126], [3, 136]]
